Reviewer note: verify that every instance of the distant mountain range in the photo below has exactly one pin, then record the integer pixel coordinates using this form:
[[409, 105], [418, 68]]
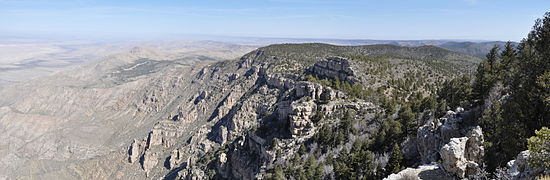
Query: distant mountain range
[[473, 47]]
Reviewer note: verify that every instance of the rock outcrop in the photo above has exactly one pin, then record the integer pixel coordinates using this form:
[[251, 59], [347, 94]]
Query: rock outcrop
[[134, 152], [149, 160], [458, 145], [452, 155], [430, 171], [429, 141], [520, 168], [474, 146], [334, 67], [300, 123]]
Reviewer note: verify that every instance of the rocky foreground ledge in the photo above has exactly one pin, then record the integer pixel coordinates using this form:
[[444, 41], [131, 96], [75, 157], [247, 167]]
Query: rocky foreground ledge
[[450, 148]]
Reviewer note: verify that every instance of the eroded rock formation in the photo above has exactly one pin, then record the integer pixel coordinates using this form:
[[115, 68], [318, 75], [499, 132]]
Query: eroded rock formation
[[335, 67], [457, 144]]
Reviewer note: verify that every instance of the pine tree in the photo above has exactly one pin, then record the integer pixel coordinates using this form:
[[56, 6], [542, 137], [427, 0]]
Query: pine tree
[[302, 150], [527, 106], [319, 171], [394, 164], [493, 127], [278, 173], [486, 76], [408, 120], [507, 63], [539, 146], [526, 109], [492, 59], [534, 62]]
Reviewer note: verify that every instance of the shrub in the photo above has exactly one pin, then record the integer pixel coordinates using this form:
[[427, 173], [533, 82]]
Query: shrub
[[539, 145]]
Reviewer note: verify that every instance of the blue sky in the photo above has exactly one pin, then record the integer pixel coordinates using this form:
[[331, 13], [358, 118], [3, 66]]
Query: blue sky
[[366, 19]]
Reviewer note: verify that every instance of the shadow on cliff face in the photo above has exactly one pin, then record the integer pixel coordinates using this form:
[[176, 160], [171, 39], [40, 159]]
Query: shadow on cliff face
[[173, 174]]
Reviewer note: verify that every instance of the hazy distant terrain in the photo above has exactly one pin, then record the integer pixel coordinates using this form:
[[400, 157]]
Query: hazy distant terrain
[[477, 49], [21, 60], [25, 59], [82, 112]]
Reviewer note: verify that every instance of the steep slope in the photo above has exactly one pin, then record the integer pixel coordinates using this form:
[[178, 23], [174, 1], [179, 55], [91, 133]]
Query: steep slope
[[152, 118], [77, 115], [345, 100]]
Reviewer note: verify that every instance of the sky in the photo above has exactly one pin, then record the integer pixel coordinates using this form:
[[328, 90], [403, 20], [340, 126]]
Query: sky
[[333, 19]]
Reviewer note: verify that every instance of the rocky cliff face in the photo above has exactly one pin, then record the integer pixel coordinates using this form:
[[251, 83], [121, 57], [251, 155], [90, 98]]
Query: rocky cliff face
[[241, 118], [282, 102], [334, 67]]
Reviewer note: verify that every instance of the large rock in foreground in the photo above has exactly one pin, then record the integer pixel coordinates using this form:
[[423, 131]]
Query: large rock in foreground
[[458, 145], [452, 155], [463, 156]]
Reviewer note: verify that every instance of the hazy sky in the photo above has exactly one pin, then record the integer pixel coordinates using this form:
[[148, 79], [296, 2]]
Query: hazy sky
[[366, 19]]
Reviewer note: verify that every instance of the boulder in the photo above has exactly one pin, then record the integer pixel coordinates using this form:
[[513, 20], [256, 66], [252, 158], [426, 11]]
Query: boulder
[[519, 165], [410, 149], [433, 135], [452, 155], [429, 171], [463, 156]]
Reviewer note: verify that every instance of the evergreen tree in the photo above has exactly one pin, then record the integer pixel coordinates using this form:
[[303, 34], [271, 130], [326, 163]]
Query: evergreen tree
[[525, 75], [302, 150], [394, 164], [442, 108], [533, 63], [507, 63], [539, 146], [319, 171], [408, 120], [485, 77], [341, 169], [492, 59], [492, 124], [456, 92], [278, 173]]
